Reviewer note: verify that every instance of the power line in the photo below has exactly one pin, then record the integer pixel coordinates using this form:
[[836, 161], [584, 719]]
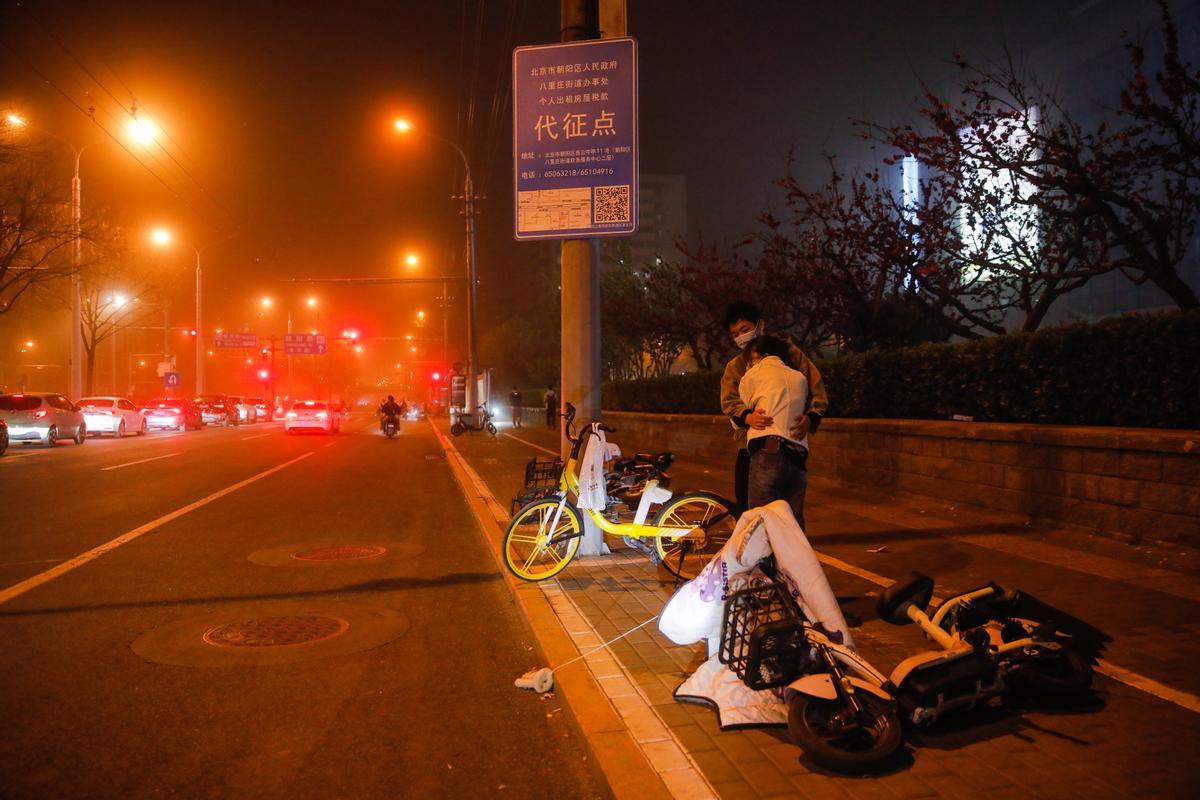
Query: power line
[[203, 190]]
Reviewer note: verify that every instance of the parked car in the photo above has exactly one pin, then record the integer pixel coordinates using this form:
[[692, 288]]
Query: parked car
[[262, 409], [311, 415], [174, 413], [115, 415], [3, 436], [217, 409], [44, 417], [245, 409]]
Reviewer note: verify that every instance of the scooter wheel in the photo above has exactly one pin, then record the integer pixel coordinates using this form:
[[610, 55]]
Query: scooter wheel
[[491, 429], [458, 429], [820, 728]]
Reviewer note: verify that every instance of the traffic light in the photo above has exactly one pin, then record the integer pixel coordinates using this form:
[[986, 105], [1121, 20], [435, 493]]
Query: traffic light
[[264, 374]]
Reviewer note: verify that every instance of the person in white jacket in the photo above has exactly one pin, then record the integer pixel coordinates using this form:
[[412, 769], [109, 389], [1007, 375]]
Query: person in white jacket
[[778, 460]]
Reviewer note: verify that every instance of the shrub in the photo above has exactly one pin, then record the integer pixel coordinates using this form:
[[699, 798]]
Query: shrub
[[1137, 370]]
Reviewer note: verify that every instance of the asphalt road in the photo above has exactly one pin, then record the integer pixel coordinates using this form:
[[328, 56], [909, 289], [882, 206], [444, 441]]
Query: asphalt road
[[197, 656]]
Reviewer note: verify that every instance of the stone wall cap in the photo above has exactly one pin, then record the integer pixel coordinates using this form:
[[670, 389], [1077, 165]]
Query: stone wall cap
[[1156, 440]]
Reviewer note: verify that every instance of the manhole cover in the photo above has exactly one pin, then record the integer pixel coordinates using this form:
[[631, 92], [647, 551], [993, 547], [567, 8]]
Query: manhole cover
[[276, 631], [339, 553]]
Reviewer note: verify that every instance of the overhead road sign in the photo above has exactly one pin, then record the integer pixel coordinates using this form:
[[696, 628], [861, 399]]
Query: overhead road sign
[[575, 139], [234, 339], [304, 344]]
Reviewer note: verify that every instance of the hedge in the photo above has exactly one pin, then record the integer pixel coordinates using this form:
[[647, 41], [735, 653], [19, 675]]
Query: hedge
[[1134, 370]]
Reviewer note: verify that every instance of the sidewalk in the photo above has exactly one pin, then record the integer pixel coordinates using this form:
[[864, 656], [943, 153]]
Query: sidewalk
[[1134, 742]]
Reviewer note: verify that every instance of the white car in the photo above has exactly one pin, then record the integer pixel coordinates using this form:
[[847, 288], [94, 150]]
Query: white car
[[312, 415], [115, 415], [42, 417]]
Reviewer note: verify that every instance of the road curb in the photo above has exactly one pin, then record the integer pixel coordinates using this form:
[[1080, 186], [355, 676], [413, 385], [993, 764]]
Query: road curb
[[614, 750]]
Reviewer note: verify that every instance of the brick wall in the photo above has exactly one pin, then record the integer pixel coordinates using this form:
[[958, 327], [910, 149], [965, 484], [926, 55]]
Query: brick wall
[[1129, 483]]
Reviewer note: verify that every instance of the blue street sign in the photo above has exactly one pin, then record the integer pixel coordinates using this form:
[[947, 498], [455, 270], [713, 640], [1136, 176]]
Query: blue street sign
[[575, 139], [170, 380]]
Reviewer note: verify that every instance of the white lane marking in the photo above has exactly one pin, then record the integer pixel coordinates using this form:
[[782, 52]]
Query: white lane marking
[[141, 461], [7, 456], [1118, 673], [331, 444], [24, 586], [1182, 699], [531, 444], [258, 436]]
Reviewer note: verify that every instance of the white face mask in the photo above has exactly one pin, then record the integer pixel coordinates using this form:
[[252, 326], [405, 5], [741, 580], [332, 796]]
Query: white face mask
[[743, 339]]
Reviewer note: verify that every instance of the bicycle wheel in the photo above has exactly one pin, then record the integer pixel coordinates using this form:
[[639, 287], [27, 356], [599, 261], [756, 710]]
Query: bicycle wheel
[[533, 551], [710, 515]]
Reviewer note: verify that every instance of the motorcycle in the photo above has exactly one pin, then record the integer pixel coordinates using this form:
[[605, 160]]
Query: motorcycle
[[390, 425], [849, 717]]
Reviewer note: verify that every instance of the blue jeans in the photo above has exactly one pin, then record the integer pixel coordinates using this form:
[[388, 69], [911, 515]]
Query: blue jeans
[[774, 475]]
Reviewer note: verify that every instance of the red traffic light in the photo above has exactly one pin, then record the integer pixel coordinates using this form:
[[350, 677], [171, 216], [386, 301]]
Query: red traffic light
[[262, 373], [437, 376], [190, 332]]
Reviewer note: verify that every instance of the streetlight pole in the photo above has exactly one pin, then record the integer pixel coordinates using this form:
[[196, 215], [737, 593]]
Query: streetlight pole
[[199, 332], [468, 199], [75, 369]]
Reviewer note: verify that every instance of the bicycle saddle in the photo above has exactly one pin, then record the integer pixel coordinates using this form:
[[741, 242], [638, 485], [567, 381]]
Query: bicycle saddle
[[661, 461]]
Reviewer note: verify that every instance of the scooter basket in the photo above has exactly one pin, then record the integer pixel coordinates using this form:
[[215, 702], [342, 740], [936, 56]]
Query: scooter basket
[[541, 479], [762, 636]]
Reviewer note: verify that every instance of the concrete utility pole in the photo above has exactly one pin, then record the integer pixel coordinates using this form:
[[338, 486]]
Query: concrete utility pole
[[580, 271]]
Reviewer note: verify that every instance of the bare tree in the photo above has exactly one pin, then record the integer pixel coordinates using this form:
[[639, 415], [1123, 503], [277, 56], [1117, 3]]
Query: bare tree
[[36, 230]]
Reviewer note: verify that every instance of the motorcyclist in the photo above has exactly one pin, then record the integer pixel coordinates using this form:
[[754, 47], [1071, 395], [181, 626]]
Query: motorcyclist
[[391, 408]]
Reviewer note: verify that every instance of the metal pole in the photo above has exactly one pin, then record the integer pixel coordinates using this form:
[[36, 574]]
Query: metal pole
[[288, 387], [472, 362], [199, 333], [116, 392], [75, 367]]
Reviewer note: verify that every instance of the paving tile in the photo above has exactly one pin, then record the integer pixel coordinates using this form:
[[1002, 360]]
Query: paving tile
[[764, 777], [693, 739], [717, 768], [736, 790], [666, 756], [641, 720], [688, 785], [737, 748]]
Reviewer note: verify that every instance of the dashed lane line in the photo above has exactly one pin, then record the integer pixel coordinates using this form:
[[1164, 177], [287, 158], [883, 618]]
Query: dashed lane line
[[18, 589], [531, 444], [140, 461], [256, 436]]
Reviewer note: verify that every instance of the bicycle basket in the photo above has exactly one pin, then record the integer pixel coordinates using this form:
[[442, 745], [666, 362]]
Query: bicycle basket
[[541, 480], [762, 636]]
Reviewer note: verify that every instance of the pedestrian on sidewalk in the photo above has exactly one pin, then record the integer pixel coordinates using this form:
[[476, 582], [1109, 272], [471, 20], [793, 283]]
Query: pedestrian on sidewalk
[[551, 407], [745, 323], [514, 402], [778, 457]]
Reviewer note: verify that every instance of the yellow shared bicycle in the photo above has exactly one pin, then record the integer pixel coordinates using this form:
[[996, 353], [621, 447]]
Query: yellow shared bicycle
[[687, 529]]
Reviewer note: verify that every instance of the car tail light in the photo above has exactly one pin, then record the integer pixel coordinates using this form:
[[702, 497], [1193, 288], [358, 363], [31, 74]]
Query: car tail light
[[40, 413], [174, 410], [321, 415], [292, 415]]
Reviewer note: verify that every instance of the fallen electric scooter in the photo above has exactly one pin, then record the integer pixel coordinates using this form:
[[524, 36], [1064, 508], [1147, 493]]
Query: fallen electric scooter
[[849, 717]]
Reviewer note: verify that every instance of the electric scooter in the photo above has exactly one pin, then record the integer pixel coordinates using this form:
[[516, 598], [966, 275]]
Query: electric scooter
[[849, 717], [465, 423]]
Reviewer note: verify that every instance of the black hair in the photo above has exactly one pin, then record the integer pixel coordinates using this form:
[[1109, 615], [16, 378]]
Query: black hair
[[767, 345], [742, 310]]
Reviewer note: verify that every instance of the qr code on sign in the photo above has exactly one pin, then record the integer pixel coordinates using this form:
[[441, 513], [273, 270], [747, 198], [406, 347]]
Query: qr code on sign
[[612, 204]]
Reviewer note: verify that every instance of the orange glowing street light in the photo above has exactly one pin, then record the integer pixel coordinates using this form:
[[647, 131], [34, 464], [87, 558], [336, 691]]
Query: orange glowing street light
[[312, 302], [403, 127], [15, 120], [142, 131], [266, 302]]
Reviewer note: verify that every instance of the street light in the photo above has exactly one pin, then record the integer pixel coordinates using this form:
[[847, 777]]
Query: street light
[[145, 133], [163, 238], [403, 127]]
